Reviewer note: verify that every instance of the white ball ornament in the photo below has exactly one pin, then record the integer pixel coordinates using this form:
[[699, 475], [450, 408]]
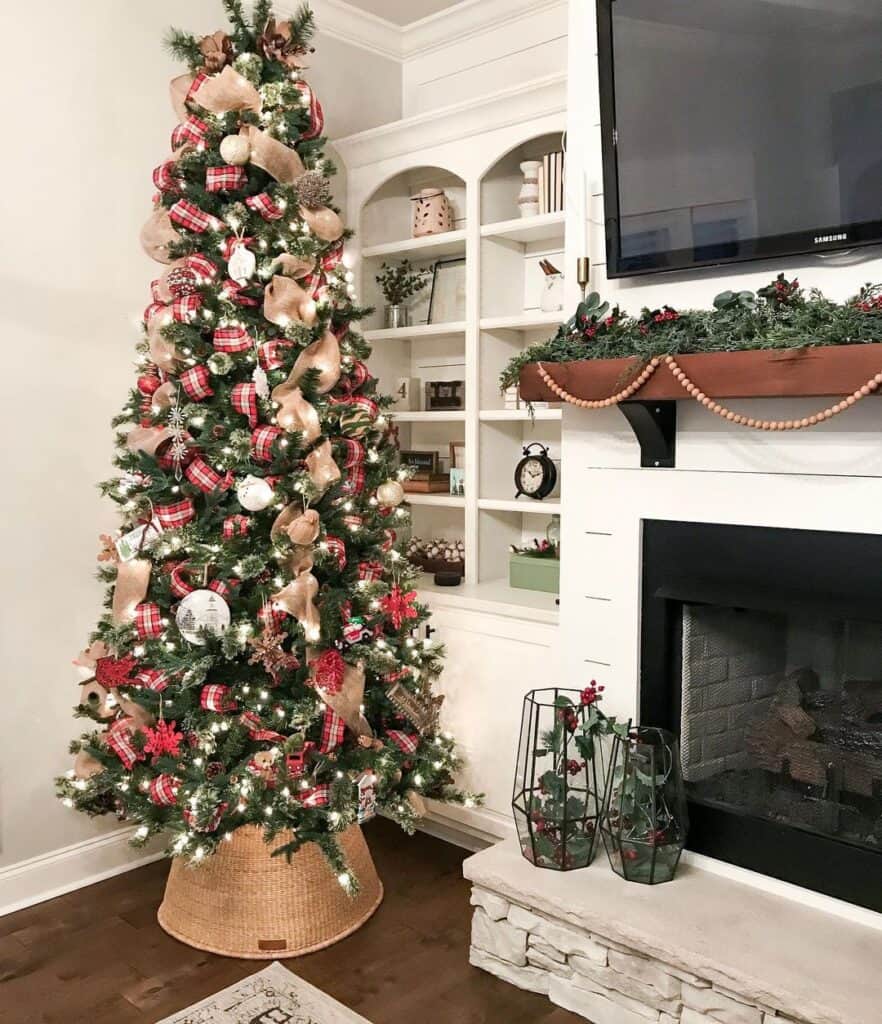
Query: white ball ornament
[[254, 494], [235, 149], [390, 494]]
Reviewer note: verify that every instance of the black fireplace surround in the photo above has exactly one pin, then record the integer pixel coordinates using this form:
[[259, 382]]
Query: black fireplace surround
[[762, 649]]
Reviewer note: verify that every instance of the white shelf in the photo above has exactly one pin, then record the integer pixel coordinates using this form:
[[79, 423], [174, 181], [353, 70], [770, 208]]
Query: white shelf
[[544, 227], [420, 331], [438, 500], [457, 416], [494, 596], [451, 243], [518, 415], [522, 322], [529, 505]]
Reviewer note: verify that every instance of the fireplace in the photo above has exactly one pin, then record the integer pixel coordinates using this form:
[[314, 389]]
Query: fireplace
[[762, 649]]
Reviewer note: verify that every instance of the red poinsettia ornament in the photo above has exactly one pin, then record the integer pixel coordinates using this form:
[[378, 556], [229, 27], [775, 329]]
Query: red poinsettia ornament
[[163, 739], [398, 606], [327, 671]]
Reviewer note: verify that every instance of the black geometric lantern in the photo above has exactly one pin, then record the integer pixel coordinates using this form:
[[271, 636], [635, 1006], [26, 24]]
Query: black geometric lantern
[[559, 781], [645, 824]]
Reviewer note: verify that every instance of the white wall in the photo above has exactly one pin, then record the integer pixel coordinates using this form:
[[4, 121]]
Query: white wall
[[90, 119]]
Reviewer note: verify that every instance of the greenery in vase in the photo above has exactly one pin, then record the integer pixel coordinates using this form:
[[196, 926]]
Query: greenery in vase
[[538, 549], [400, 282], [781, 315]]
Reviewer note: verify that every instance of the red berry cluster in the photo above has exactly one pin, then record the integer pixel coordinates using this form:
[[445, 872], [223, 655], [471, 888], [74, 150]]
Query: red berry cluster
[[873, 305], [592, 693]]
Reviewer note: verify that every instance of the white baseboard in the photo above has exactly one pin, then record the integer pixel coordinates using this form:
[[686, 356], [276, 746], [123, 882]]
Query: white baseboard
[[72, 867], [471, 828]]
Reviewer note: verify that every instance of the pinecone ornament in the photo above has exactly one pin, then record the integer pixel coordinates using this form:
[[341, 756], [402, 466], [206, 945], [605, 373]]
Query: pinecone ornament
[[313, 190]]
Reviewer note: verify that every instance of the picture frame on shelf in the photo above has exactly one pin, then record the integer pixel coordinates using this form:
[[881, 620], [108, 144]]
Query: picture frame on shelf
[[447, 297], [422, 462], [445, 395], [457, 482], [457, 455]]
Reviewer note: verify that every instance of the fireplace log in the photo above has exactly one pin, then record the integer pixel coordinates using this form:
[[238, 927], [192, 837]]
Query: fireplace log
[[798, 721], [864, 698]]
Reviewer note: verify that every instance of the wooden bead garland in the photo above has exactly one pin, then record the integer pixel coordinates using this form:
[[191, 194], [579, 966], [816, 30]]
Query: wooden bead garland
[[695, 392]]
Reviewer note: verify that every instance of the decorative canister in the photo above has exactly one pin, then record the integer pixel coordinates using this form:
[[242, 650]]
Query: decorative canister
[[528, 200], [432, 213]]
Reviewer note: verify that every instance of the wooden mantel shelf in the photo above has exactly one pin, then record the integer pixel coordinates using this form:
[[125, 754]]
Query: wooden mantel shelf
[[763, 373]]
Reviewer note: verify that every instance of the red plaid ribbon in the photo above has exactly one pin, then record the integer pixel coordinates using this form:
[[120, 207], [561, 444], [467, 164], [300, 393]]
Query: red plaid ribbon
[[236, 526], [231, 339], [216, 697], [316, 114], [370, 571], [394, 677], [194, 86], [180, 585], [164, 177], [225, 179], [353, 522], [389, 538], [405, 741], [185, 307], [257, 730], [164, 790], [337, 549], [188, 216], [235, 292], [357, 377], [333, 729], [192, 130], [232, 242], [152, 679], [271, 616], [148, 619], [155, 286], [318, 796], [270, 353], [244, 400], [262, 440], [263, 204], [201, 266], [195, 382], [152, 310], [201, 475], [354, 481], [354, 453], [119, 739], [223, 587], [211, 824], [174, 516]]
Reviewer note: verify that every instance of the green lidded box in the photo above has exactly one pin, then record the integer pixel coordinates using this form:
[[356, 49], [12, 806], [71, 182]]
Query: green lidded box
[[527, 573]]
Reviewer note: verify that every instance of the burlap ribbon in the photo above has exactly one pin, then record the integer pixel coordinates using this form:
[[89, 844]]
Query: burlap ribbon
[[295, 414], [162, 351], [323, 223], [179, 90], [322, 355], [298, 599], [347, 701], [132, 581], [147, 439], [323, 470], [158, 234], [227, 91], [273, 156], [292, 266], [285, 302], [300, 527]]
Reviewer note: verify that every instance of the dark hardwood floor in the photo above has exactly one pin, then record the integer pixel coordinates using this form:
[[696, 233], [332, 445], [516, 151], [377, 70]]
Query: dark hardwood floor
[[97, 956]]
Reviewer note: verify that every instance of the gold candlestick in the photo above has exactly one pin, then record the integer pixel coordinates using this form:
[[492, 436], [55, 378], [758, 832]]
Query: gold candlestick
[[583, 273]]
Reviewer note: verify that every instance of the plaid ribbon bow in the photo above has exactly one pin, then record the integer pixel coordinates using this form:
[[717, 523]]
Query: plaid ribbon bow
[[176, 515], [195, 382], [236, 526], [354, 481], [256, 729], [370, 571], [231, 339], [244, 400], [269, 353], [192, 130], [316, 796], [164, 790], [201, 475], [185, 307], [148, 619], [178, 582], [263, 205], [152, 679], [405, 741], [389, 538], [333, 729], [164, 177], [225, 179], [262, 440], [232, 291], [353, 451], [188, 216], [216, 697], [202, 267], [119, 738], [337, 549], [316, 114]]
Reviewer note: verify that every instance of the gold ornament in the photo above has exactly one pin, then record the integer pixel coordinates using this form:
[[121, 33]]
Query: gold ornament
[[285, 302], [322, 469], [323, 223], [295, 414], [298, 599], [390, 494], [272, 156], [235, 150], [348, 700], [220, 94], [158, 234], [132, 581]]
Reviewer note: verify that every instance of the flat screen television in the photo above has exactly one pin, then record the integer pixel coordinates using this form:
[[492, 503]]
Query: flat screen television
[[739, 129]]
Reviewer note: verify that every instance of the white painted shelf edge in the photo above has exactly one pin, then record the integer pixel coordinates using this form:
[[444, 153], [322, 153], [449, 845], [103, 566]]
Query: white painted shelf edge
[[521, 322], [445, 244], [438, 500], [493, 596], [419, 331], [428, 417], [516, 415], [529, 505], [528, 229]]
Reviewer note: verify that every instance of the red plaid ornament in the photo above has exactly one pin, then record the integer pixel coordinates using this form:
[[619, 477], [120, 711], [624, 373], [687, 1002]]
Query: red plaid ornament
[[231, 339], [244, 400], [337, 549], [187, 215], [235, 292], [190, 816], [148, 619], [405, 741], [201, 266], [215, 697], [180, 585], [353, 482], [333, 730], [164, 177], [225, 179], [236, 526], [201, 475], [263, 204], [195, 382], [262, 440], [192, 130], [353, 451], [119, 740], [152, 679], [257, 731], [176, 515], [185, 307], [370, 571], [318, 796], [164, 790], [316, 114], [270, 353]]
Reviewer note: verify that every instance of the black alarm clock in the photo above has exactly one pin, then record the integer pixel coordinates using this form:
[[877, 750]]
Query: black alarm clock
[[535, 475]]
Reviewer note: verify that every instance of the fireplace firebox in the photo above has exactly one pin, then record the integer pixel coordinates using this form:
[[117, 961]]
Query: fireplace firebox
[[762, 649]]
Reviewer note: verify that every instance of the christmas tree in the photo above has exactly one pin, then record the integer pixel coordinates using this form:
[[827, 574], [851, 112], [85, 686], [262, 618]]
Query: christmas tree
[[259, 661]]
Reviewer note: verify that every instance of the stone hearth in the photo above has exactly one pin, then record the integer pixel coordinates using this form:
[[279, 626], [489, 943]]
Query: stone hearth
[[700, 950]]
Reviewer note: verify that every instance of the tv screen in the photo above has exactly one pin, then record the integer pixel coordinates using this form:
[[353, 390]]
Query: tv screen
[[739, 130]]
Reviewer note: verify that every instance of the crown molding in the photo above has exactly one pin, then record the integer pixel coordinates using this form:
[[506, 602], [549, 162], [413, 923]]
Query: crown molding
[[352, 25], [467, 19], [533, 99]]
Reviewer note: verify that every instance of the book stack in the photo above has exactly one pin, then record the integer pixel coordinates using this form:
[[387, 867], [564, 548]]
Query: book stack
[[428, 483], [552, 183]]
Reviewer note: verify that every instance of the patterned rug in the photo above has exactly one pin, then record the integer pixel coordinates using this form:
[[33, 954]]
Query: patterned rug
[[272, 996]]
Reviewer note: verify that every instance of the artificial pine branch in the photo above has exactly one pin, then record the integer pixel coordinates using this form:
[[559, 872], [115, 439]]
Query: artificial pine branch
[[303, 24], [184, 46]]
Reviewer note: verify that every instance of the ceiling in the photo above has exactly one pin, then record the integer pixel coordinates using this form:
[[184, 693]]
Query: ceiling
[[403, 12]]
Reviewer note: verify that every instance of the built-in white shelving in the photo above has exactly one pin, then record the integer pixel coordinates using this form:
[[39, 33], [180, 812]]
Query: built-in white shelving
[[419, 332], [450, 243], [436, 500], [520, 415], [528, 505], [429, 417], [527, 321], [492, 596], [546, 227]]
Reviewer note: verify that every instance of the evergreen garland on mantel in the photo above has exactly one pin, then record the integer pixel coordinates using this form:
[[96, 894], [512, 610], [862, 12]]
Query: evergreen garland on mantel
[[780, 315]]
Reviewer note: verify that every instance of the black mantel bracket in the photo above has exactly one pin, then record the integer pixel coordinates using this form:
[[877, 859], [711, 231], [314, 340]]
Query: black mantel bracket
[[655, 427]]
